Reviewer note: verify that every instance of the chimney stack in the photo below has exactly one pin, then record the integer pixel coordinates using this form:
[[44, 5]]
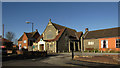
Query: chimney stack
[[24, 32], [36, 30], [86, 29]]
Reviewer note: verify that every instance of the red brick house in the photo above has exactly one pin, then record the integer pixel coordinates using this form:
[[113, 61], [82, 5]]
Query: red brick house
[[27, 39], [104, 39]]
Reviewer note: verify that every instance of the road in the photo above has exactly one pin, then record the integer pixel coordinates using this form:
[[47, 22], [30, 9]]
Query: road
[[63, 59]]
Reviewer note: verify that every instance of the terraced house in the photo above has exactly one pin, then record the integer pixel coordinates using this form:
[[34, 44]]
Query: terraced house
[[57, 38], [103, 40]]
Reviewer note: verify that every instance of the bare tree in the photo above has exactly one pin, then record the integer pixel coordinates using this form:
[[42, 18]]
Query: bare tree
[[15, 41], [10, 36]]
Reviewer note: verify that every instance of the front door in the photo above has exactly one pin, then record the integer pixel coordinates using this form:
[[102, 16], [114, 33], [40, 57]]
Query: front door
[[76, 46], [71, 46], [20, 47], [42, 47]]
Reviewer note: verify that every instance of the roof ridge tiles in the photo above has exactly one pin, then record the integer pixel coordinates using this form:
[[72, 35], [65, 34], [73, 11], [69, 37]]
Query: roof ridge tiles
[[105, 29]]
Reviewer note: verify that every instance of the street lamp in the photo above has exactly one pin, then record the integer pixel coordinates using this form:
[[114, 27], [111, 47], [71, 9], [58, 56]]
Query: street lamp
[[72, 53], [30, 23]]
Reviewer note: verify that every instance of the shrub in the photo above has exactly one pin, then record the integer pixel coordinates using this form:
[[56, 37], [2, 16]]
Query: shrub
[[117, 51], [112, 51], [86, 51], [95, 50]]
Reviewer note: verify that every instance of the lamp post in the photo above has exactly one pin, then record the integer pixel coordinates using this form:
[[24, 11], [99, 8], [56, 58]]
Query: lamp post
[[29, 23], [32, 29], [72, 53], [3, 31]]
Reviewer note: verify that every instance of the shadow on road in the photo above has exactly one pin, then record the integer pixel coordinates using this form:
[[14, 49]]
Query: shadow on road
[[22, 57]]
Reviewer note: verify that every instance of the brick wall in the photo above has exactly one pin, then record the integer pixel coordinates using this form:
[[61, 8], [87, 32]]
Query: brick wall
[[111, 44], [22, 42]]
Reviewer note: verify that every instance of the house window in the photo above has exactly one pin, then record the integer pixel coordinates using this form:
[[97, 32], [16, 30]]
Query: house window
[[104, 43], [117, 43], [24, 41], [53, 42], [50, 34], [47, 46], [90, 43], [51, 46]]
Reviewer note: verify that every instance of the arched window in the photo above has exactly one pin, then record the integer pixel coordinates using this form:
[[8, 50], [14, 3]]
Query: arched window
[[50, 34], [104, 44]]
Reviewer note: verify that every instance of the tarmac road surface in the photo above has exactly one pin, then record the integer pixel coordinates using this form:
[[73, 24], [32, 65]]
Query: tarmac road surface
[[62, 59]]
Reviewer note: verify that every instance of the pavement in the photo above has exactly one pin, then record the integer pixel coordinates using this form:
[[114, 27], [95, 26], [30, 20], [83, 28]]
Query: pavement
[[61, 59], [95, 54], [98, 59]]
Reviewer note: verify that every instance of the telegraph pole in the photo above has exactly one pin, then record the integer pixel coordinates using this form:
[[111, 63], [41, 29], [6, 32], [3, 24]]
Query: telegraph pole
[[32, 27], [3, 30]]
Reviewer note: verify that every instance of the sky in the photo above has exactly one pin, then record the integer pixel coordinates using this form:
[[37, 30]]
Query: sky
[[75, 15]]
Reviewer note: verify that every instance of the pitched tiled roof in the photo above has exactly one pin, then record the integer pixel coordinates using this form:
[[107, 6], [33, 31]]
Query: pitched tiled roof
[[20, 39], [4, 40], [41, 36], [58, 26], [111, 32], [79, 34], [57, 37], [71, 32], [29, 35]]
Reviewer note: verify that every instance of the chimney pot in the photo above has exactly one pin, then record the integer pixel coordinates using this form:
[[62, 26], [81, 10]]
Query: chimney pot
[[36, 30], [86, 29]]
